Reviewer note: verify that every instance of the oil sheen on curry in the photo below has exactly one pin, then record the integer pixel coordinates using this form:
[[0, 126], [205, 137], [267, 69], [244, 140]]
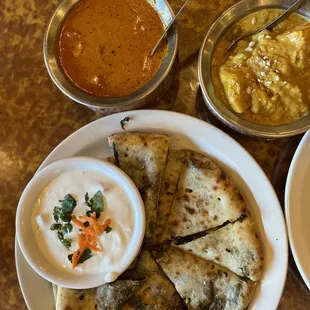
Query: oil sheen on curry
[[105, 46], [265, 79]]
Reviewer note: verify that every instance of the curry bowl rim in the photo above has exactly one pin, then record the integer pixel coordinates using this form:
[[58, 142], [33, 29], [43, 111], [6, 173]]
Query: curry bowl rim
[[66, 86]]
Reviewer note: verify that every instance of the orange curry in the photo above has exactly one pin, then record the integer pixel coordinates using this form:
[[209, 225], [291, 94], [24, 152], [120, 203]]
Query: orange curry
[[105, 46]]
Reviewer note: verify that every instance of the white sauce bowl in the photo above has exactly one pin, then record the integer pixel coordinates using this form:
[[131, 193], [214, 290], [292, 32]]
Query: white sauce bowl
[[25, 233]]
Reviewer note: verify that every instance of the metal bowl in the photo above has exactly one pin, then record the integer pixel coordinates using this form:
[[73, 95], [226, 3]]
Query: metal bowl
[[141, 97], [214, 35]]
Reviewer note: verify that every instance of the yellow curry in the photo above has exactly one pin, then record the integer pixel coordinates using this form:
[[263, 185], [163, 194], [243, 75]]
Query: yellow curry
[[265, 79]]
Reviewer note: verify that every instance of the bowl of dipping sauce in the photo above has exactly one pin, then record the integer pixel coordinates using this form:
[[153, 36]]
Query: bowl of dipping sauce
[[260, 87], [98, 53], [80, 222]]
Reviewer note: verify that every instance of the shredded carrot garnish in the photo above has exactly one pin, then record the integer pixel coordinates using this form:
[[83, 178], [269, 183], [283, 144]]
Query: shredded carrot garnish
[[105, 225], [93, 224], [79, 252], [82, 241], [78, 223], [92, 243], [88, 237]]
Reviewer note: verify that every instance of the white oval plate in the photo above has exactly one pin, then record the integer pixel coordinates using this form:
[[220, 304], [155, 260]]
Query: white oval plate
[[297, 207], [187, 132]]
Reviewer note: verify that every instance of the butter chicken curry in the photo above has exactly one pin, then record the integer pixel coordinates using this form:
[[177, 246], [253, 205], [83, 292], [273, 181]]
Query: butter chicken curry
[[105, 46], [265, 79]]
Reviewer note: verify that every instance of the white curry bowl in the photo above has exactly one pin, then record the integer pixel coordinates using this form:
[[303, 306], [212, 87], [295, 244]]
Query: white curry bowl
[[25, 233]]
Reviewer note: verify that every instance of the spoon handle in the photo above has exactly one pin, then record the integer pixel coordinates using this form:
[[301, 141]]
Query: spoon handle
[[168, 27], [292, 9]]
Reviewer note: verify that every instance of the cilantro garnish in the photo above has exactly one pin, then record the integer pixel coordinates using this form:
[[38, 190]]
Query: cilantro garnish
[[56, 226], [95, 204], [65, 211], [85, 256], [57, 213], [68, 204], [67, 228], [108, 229], [65, 242], [87, 199], [66, 217]]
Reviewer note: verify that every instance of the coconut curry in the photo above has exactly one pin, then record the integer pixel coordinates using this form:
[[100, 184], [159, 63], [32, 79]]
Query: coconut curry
[[105, 46], [265, 79]]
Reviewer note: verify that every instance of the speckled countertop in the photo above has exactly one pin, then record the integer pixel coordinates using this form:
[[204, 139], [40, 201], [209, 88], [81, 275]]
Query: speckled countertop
[[35, 116]]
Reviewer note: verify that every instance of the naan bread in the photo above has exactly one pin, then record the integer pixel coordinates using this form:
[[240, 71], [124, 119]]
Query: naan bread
[[205, 198], [156, 292], [203, 285], [175, 162], [143, 157], [112, 296], [69, 299], [234, 246]]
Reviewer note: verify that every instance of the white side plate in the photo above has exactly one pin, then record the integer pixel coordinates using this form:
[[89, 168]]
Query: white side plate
[[297, 207], [187, 132]]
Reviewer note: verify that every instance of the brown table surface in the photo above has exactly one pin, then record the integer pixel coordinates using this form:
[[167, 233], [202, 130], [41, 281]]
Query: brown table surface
[[35, 116]]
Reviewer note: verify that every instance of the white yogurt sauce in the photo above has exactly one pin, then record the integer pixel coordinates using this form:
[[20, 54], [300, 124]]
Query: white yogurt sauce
[[117, 207]]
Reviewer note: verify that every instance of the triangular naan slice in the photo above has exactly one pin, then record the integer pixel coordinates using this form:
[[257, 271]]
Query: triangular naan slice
[[112, 296], [69, 299], [235, 246], [156, 292], [205, 198], [203, 285], [143, 157], [175, 162]]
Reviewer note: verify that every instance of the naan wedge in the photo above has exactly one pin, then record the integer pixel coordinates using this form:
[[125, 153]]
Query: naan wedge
[[203, 285], [235, 246], [175, 162], [205, 198], [112, 296], [143, 157], [69, 299], [156, 292]]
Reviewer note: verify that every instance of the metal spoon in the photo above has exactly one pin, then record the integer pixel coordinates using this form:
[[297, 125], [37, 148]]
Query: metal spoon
[[292, 9], [167, 28]]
